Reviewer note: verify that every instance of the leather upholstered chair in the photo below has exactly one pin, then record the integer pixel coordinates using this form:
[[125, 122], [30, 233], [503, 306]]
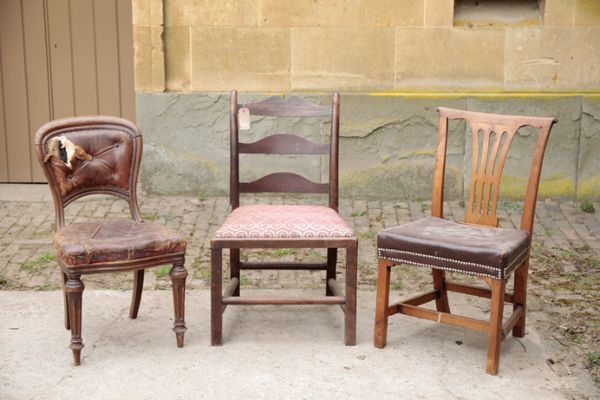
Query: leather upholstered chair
[[115, 147], [284, 226], [476, 247]]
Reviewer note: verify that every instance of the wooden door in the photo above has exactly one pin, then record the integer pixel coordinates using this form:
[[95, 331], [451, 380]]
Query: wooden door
[[59, 58]]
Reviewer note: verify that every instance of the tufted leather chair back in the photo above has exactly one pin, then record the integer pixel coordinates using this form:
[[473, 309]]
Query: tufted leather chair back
[[115, 146]]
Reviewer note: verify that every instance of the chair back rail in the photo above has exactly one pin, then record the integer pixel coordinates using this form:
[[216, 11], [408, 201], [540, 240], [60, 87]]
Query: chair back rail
[[492, 135], [115, 145], [284, 143]]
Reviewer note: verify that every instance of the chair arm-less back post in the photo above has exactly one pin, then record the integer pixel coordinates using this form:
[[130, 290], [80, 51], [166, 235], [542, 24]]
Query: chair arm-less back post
[[103, 135], [437, 199], [334, 153], [529, 204], [234, 174]]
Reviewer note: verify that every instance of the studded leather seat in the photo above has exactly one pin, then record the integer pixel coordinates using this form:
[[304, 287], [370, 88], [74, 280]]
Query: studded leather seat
[[447, 245]]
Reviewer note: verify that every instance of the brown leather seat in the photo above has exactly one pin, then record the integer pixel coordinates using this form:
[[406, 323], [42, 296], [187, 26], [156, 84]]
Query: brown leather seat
[[471, 249], [115, 240]]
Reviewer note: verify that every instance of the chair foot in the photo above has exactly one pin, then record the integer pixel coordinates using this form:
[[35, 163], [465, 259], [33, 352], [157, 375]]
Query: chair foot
[[179, 333], [74, 290], [178, 275], [519, 331], [76, 355]]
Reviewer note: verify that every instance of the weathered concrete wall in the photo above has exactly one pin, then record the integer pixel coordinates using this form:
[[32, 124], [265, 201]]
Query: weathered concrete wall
[[387, 149], [362, 45]]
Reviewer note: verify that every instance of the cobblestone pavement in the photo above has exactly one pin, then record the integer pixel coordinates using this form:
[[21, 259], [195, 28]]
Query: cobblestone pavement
[[27, 221], [564, 289]]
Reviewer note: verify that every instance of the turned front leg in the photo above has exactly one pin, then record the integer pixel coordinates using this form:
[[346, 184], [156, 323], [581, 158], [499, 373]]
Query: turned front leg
[[74, 290], [178, 276]]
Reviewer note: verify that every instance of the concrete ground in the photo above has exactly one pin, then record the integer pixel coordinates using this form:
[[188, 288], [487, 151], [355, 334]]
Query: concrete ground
[[293, 352], [268, 352]]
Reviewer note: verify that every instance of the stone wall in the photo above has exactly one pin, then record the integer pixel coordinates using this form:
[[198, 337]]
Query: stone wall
[[362, 45], [387, 147], [394, 61]]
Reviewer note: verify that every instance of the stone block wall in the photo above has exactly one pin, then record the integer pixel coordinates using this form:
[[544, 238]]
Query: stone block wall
[[394, 62], [361, 45]]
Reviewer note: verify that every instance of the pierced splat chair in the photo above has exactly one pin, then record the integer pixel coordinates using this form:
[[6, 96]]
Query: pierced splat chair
[[476, 247], [110, 245], [283, 226]]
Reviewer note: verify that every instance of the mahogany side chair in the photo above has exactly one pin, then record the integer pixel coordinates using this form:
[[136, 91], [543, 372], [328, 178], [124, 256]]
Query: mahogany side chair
[[476, 247], [283, 226], [109, 245]]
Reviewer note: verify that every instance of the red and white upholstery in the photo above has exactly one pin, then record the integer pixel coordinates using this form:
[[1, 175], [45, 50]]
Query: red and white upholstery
[[283, 221]]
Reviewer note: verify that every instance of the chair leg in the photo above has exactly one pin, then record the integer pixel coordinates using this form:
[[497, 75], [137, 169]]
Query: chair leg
[[520, 291], [74, 289], [234, 256], [136, 296], [439, 284], [216, 296], [495, 332], [350, 310], [178, 275], [331, 264], [65, 302], [382, 303]]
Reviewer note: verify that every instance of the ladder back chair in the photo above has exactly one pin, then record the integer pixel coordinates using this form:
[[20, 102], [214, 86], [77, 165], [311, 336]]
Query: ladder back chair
[[283, 226], [476, 247], [114, 149]]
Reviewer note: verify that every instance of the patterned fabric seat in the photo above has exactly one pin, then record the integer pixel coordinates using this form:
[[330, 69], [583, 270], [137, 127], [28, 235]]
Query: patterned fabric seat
[[447, 245], [283, 221]]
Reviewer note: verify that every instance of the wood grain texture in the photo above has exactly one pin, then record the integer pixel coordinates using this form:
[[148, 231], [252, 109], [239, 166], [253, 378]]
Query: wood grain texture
[[3, 146], [107, 57], [38, 79], [283, 182], [283, 144], [14, 75], [126, 70], [83, 36], [60, 58], [292, 106], [61, 68]]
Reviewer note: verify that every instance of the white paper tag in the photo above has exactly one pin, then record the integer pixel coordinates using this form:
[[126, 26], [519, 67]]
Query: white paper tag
[[244, 119]]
